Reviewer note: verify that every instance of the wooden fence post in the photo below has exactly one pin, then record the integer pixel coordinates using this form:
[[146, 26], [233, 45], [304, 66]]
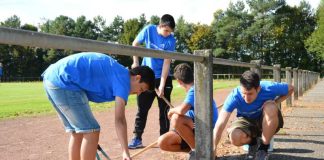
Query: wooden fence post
[[289, 81], [277, 76], [204, 110], [295, 76], [300, 82]]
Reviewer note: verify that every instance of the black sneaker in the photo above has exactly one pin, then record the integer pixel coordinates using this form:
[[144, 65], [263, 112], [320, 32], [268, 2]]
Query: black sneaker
[[261, 155], [252, 151]]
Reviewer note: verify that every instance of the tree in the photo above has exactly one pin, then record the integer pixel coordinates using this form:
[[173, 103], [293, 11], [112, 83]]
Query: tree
[[155, 19], [12, 22], [202, 38], [142, 21], [100, 25], [114, 31], [229, 28], [29, 27], [62, 25], [315, 43], [131, 29], [183, 31], [85, 29]]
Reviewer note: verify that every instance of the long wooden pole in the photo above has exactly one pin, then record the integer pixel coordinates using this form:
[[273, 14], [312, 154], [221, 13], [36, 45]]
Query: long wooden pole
[[155, 143]]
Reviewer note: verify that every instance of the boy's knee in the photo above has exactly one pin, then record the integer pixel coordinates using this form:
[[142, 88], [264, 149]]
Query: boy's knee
[[270, 108], [176, 120], [238, 137], [162, 143]]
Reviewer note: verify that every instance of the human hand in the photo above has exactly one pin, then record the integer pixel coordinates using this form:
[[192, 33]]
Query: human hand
[[170, 113], [160, 91], [134, 65], [126, 157]]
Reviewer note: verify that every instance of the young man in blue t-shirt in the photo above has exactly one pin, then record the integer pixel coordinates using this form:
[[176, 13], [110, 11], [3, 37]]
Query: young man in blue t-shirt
[[257, 113], [73, 81], [182, 137], [157, 37]]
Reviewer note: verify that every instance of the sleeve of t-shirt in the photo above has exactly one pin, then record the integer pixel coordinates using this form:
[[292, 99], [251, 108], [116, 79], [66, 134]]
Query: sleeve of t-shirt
[[190, 98], [279, 89], [140, 38], [121, 90], [230, 102]]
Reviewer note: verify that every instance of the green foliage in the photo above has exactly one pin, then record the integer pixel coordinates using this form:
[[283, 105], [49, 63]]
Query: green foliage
[[154, 19], [114, 31], [131, 29], [11, 22], [202, 38], [85, 29], [268, 30], [29, 27], [183, 31]]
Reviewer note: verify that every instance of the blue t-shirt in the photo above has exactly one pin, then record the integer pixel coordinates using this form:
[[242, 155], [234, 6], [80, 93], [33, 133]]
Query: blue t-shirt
[[100, 76], [190, 99], [0, 71], [153, 40], [269, 91]]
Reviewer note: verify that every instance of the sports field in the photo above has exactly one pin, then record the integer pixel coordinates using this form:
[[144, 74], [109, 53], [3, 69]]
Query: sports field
[[29, 98]]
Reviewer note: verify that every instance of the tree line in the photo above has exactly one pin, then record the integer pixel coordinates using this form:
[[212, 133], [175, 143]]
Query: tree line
[[269, 30]]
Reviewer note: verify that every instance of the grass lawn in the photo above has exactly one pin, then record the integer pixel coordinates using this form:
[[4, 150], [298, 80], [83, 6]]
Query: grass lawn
[[29, 98]]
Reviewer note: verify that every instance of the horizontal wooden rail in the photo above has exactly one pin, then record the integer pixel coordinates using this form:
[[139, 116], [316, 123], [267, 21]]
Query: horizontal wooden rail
[[44, 40]]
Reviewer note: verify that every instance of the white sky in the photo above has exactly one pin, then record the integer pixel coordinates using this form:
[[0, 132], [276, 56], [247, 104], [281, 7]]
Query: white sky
[[32, 11]]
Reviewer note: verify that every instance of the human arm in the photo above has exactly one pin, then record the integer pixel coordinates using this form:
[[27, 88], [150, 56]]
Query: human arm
[[219, 128], [180, 110], [121, 126], [135, 58], [284, 97], [164, 76]]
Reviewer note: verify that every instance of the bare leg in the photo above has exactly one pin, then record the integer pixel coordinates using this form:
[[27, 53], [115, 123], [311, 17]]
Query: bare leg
[[89, 145], [239, 138], [184, 126], [75, 146], [170, 141], [270, 121]]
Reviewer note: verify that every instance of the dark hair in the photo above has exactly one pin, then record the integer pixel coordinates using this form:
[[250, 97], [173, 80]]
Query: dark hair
[[147, 75], [167, 20], [249, 80], [184, 73]]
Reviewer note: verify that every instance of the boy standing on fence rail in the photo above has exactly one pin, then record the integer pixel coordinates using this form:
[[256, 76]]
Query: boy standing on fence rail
[[182, 136], [77, 79], [257, 114], [158, 37]]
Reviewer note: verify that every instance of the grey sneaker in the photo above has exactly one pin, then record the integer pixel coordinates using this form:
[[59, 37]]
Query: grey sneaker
[[261, 155], [192, 155], [252, 151]]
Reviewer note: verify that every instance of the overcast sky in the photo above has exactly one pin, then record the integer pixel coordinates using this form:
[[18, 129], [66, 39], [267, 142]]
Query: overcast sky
[[33, 11]]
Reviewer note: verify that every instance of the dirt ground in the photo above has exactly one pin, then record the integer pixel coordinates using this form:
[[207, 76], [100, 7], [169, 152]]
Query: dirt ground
[[43, 137]]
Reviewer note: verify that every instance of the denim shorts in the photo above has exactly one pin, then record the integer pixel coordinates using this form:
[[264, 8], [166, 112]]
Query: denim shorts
[[73, 109]]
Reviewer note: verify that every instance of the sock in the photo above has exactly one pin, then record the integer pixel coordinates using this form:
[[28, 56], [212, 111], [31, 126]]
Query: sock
[[264, 147]]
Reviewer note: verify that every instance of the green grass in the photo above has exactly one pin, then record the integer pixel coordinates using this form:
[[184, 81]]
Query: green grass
[[29, 98]]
